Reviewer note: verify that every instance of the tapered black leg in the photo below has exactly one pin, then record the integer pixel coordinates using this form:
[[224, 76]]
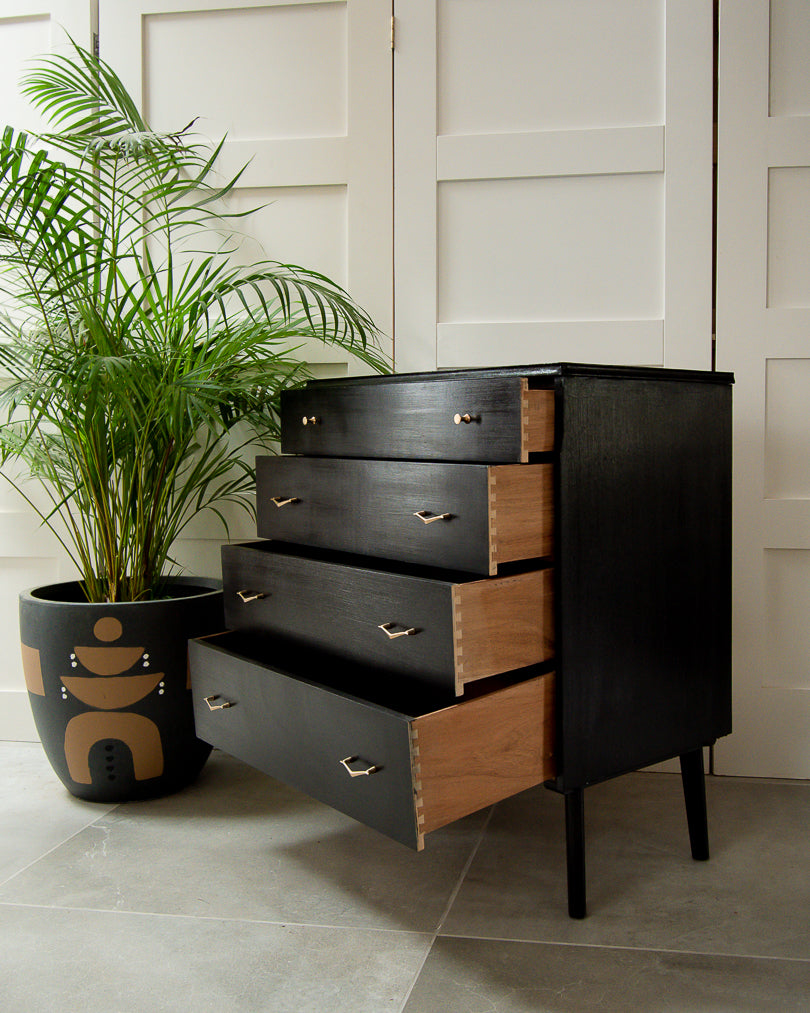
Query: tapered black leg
[[694, 793], [575, 851]]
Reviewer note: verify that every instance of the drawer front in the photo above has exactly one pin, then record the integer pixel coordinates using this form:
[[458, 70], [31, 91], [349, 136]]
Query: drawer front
[[340, 609], [486, 419], [299, 732], [438, 632], [459, 516], [425, 770]]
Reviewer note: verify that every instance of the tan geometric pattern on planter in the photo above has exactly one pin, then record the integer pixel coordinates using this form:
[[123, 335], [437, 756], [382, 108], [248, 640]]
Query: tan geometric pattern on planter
[[136, 731], [111, 692], [32, 669]]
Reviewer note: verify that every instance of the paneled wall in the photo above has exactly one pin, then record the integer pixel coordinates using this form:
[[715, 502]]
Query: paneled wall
[[763, 334], [553, 171]]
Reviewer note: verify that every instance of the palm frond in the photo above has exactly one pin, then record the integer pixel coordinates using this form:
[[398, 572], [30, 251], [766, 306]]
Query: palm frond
[[136, 371]]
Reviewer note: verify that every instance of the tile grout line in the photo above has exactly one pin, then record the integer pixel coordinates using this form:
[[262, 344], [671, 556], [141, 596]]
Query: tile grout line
[[55, 847], [285, 923], [450, 901], [631, 949]]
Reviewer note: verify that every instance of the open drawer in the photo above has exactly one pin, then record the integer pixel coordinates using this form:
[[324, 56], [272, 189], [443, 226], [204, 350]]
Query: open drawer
[[435, 626], [404, 770], [471, 517], [492, 419]]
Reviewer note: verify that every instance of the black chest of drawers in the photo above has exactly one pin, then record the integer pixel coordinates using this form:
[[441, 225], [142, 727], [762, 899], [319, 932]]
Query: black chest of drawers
[[478, 581]]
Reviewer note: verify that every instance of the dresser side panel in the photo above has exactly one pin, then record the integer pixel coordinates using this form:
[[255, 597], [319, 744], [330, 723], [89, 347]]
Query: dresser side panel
[[643, 573]]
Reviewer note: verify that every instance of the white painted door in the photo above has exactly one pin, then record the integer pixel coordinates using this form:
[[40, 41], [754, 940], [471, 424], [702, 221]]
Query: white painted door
[[763, 334], [303, 91], [553, 182], [29, 554]]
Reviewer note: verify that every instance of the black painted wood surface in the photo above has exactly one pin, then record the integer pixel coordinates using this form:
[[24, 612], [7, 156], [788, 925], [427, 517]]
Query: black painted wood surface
[[540, 375], [328, 605], [298, 731], [643, 572], [406, 420], [369, 507], [642, 555]]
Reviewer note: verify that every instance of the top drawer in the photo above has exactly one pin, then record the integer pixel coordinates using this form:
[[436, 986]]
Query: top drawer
[[494, 419]]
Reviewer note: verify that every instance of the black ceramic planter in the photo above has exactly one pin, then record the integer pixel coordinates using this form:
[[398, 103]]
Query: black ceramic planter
[[109, 686]]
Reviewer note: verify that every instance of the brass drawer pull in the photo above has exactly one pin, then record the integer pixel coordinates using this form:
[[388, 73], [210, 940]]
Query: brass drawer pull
[[357, 773], [458, 418], [424, 515], [280, 501], [310, 420], [248, 596], [386, 628], [217, 706]]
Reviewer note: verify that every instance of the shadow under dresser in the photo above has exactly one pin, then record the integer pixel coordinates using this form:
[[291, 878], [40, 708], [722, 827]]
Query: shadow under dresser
[[476, 581]]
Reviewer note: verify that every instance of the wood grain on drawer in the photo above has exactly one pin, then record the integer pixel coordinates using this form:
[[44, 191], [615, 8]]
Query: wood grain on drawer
[[470, 517], [439, 629], [496, 627], [482, 749], [491, 419], [426, 768]]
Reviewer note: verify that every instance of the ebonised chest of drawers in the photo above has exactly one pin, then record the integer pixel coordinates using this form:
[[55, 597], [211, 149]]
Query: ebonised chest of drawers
[[477, 581]]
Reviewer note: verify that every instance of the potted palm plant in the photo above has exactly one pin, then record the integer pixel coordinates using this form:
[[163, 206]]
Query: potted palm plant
[[136, 371]]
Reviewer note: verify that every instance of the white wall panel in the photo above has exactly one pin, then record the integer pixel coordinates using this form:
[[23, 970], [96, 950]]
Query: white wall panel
[[558, 248], [286, 99], [515, 65], [787, 434], [789, 92], [20, 38], [787, 578], [304, 225], [788, 231]]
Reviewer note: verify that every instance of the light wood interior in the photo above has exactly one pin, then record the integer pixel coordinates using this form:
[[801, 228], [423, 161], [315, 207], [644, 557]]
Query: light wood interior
[[502, 623], [478, 752], [536, 421], [521, 512]]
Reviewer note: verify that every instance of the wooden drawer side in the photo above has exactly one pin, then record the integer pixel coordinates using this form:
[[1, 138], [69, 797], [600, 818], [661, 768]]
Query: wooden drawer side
[[502, 624], [521, 512], [536, 421], [480, 751]]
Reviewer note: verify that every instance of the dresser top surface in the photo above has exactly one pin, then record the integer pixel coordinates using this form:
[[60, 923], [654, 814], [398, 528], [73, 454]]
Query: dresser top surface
[[541, 371]]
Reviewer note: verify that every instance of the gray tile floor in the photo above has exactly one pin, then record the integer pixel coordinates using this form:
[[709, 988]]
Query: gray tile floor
[[239, 894]]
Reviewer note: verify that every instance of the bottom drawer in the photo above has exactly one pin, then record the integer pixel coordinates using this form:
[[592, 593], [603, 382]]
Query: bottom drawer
[[403, 771]]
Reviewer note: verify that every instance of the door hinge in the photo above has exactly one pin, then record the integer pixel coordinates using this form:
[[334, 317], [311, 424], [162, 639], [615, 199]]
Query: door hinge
[[96, 48], [393, 32]]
